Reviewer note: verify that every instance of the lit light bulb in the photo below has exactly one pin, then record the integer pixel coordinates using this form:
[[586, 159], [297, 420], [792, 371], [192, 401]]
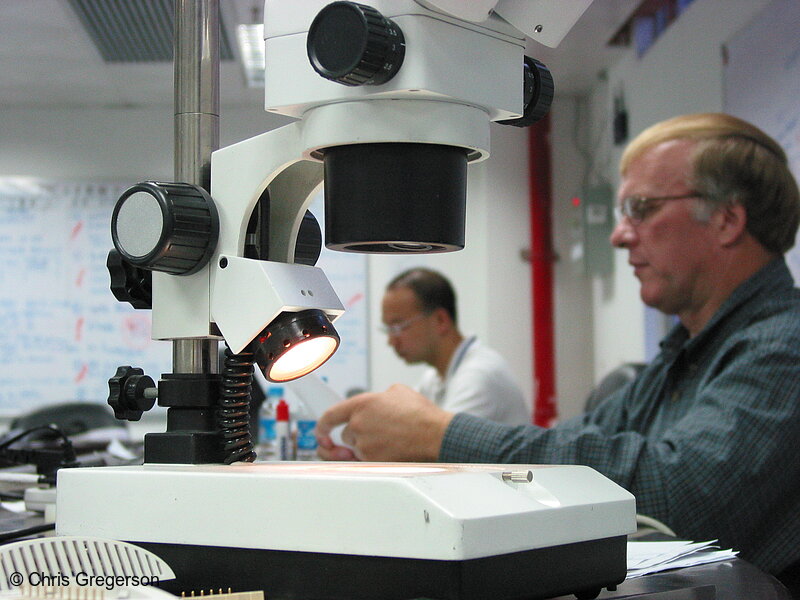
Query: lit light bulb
[[302, 358]]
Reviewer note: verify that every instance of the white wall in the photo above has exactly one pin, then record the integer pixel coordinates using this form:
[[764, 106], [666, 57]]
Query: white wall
[[681, 73], [574, 328], [103, 143]]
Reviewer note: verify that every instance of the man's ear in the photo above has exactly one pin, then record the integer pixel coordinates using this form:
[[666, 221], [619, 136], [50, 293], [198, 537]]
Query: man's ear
[[730, 222], [442, 320]]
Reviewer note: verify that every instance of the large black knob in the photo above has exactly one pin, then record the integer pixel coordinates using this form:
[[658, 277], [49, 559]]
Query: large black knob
[[130, 393], [167, 227], [538, 90], [354, 44]]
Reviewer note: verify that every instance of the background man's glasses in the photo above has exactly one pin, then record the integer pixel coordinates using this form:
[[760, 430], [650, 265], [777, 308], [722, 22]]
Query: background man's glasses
[[398, 328], [638, 208]]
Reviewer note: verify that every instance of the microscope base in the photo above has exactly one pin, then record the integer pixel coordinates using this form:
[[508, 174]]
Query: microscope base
[[313, 531], [579, 568]]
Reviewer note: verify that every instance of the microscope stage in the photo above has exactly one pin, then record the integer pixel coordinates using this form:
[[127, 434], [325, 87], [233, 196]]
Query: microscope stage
[[362, 530]]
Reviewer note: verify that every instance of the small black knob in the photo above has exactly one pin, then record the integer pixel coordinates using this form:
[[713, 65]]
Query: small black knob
[[354, 44], [128, 393], [168, 227], [538, 90], [128, 282]]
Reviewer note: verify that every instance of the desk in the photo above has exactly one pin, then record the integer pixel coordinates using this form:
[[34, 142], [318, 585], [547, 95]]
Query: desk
[[731, 580]]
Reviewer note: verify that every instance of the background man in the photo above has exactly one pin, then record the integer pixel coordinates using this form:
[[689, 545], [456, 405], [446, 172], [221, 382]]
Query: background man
[[419, 316], [705, 437]]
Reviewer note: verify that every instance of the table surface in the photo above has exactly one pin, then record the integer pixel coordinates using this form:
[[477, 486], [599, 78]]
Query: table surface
[[733, 579]]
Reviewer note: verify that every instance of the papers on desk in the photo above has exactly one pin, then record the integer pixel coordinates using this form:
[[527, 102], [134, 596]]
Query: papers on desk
[[650, 557]]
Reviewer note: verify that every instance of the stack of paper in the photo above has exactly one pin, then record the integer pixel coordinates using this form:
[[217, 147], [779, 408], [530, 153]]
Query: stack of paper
[[649, 557]]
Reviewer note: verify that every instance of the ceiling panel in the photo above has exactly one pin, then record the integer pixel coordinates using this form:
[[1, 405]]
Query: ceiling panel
[[135, 30]]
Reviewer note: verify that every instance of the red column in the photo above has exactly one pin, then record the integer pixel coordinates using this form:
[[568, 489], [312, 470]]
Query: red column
[[544, 405]]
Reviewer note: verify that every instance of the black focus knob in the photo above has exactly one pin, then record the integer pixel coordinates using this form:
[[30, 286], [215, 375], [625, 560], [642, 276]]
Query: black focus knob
[[167, 227], [538, 90], [130, 393], [128, 282], [354, 44]]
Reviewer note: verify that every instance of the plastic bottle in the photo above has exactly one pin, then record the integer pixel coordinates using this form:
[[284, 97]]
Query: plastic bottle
[[283, 432], [306, 438], [266, 424]]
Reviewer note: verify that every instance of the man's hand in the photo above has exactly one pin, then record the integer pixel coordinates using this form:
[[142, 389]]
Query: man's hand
[[396, 425]]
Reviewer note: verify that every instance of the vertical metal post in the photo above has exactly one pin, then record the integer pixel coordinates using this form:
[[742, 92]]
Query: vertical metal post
[[196, 78]]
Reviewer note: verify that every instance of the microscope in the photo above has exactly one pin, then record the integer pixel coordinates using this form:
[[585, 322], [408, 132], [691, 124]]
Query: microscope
[[392, 101]]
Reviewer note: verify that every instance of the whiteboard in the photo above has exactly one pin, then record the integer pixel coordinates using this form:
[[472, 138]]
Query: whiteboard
[[62, 331], [762, 82]]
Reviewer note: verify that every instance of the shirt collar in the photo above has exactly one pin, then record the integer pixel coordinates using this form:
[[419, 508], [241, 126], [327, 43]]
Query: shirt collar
[[774, 275], [458, 356]]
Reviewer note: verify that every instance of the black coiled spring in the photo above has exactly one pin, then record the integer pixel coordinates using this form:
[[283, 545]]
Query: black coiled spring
[[233, 415]]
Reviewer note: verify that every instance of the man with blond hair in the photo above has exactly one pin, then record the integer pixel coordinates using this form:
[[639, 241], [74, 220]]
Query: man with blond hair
[[705, 436]]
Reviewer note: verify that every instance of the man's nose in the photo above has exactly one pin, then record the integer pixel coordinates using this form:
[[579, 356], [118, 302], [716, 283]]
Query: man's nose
[[623, 234]]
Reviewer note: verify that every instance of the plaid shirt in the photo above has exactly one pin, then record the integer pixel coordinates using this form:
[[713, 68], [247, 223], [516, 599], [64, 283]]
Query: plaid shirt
[[706, 437]]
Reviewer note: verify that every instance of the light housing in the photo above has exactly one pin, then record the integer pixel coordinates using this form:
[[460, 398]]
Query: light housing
[[295, 344]]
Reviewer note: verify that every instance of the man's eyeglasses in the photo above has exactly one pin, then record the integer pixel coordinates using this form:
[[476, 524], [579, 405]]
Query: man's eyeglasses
[[398, 328], [638, 208]]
